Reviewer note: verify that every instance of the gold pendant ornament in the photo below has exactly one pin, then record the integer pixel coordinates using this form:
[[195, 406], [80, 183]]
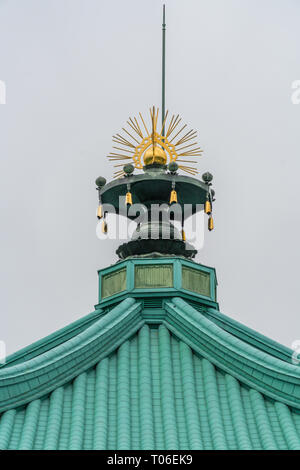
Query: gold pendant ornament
[[128, 198], [207, 207], [210, 224], [173, 196], [104, 226], [100, 212]]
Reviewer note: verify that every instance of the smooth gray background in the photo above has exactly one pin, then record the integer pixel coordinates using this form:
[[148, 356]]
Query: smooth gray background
[[75, 70]]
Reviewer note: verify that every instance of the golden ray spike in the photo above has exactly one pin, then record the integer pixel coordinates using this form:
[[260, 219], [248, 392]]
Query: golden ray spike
[[115, 154], [194, 168], [190, 155], [195, 148], [121, 137], [138, 126], [119, 164], [152, 121], [133, 126], [152, 113], [118, 171], [130, 135], [191, 170], [119, 176], [146, 129], [178, 133], [118, 141], [175, 125], [190, 152], [125, 145], [117, 159], [186, 161], [189, 167], [126, 141], [186, 141], [188, 170], [164, 122], [170, 124], [188, 136], [186, 146], [134, 123], [121, 140], [157, 111], [124, 150], [177, 120]]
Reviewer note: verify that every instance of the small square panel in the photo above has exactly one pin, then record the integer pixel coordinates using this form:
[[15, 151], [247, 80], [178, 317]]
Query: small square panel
[[153, 276], [196, 281], [113, 283]]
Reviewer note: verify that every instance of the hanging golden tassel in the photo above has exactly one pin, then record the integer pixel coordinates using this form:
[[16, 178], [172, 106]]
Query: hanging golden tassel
[[104, 226], [128, 198], [207, 207], [173, 196], [99, 212], [183, 235], [210, 224]]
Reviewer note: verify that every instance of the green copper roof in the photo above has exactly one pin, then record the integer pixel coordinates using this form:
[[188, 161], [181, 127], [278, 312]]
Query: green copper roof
[[177, 376]]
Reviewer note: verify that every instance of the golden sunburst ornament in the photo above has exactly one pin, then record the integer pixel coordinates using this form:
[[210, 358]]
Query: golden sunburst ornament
[[146, 147]]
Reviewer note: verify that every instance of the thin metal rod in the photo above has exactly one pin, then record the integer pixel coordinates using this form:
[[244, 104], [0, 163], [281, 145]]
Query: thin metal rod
[[163, 89]]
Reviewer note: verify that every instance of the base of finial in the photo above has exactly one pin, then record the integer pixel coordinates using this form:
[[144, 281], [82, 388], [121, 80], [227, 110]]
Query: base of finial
[[159, 247]]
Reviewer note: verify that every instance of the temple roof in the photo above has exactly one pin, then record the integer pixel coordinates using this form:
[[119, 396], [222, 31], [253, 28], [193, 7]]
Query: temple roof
[[166, 375]]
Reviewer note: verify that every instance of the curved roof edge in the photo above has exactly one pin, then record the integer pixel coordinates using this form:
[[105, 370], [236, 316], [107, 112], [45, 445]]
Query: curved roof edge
[[64, 355], [270, 375], [52, 340], [249, 335], [35, 377]]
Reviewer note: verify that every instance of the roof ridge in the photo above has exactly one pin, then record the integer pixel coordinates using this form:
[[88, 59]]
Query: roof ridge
[[38, 376], [249, 335], [53, 339], [268, 374]]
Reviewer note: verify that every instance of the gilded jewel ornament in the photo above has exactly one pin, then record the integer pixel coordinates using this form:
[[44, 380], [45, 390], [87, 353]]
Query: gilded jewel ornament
[[143, 147]]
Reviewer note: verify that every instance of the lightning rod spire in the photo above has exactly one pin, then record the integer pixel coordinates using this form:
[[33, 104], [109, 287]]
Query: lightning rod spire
[[163, 69]]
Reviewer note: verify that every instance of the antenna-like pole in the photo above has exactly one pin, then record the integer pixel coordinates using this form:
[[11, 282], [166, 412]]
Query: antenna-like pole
[[163, 69]]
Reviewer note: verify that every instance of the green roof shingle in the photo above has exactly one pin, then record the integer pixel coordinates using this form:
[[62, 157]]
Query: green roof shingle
[[180, 384]]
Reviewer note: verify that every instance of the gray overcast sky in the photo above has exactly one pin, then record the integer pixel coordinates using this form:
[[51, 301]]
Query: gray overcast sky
[[75, 70]]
